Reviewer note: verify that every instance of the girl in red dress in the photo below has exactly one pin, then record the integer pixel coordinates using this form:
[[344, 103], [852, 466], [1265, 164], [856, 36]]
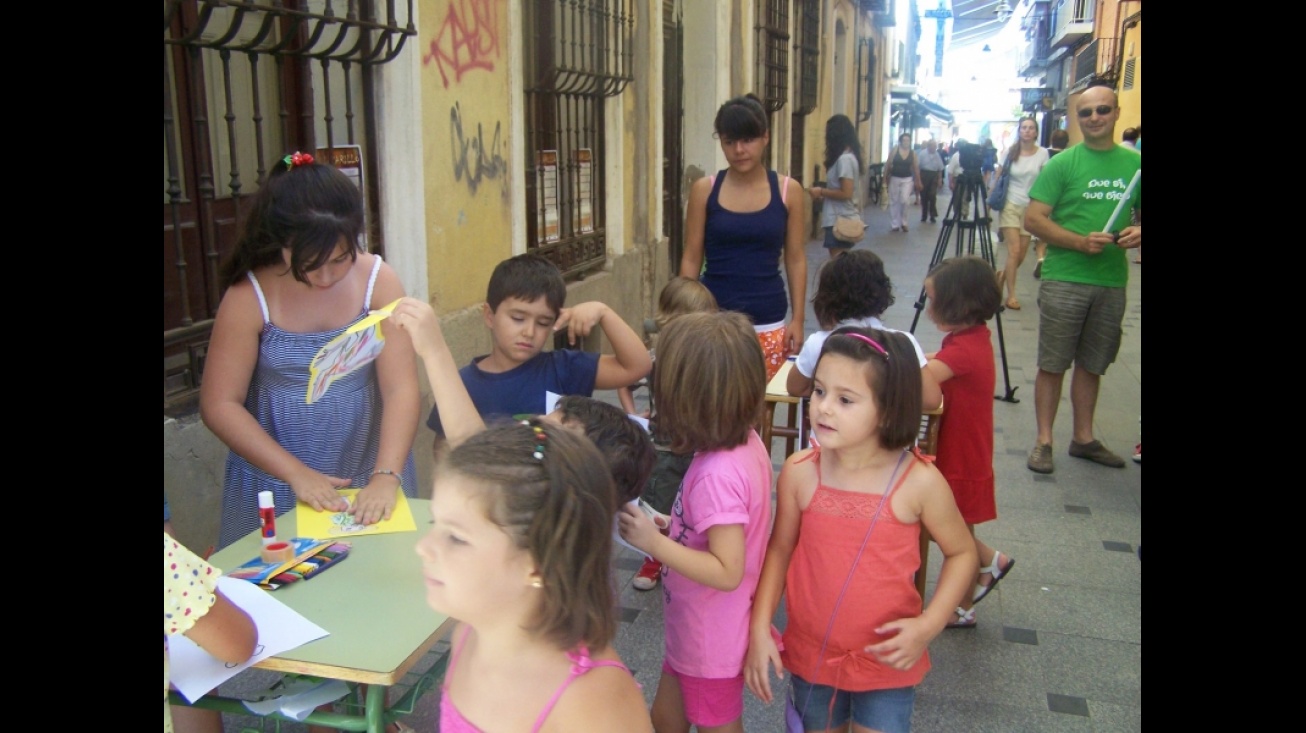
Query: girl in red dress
[[963, 294]]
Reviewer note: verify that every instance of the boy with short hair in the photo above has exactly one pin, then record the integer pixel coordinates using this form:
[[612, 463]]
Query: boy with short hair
[[523, 308]]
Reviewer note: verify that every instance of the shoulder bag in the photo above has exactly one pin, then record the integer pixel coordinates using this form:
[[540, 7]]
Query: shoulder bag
[[849, 229], [794, 716], [998, 196]]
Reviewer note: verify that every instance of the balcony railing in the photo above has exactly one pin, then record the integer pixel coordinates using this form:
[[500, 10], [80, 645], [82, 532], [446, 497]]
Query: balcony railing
[[1038, 10], [1097, 61], [1071, 21], [1033, 56]]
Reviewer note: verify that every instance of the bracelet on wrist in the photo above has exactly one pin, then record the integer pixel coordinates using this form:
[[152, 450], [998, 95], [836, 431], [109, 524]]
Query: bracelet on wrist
[[387, 472]]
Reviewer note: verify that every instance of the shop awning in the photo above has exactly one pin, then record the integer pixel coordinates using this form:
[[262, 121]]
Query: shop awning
[[904, 102]]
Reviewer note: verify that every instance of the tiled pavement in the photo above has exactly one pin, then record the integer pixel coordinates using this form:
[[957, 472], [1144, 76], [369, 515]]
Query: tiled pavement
[[1059, 644]]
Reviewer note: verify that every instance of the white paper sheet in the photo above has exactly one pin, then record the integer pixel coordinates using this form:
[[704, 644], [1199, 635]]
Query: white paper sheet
[[300, 698], [194, 672], [616, 528]]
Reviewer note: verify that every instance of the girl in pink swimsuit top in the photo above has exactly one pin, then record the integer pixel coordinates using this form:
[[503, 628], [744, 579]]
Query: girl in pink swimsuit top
[[519, 552], [451, 721]]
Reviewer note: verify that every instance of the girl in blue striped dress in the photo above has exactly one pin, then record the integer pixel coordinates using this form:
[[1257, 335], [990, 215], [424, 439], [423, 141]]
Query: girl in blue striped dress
[[296, 279]]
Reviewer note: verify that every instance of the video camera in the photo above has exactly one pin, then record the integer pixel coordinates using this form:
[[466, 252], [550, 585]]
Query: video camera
[[970, 157]]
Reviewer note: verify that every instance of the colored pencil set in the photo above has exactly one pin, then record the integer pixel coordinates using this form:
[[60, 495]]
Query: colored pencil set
[[312, 557]]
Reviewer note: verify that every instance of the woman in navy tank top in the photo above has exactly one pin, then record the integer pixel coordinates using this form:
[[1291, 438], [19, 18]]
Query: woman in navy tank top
[[740, 223]]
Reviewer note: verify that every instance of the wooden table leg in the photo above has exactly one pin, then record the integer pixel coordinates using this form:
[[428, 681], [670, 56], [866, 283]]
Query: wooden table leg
[[768, 421], [793, 422]]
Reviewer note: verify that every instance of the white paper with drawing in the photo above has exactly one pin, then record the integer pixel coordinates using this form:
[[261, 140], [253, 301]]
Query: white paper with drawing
[[280, 628], [357, 347]]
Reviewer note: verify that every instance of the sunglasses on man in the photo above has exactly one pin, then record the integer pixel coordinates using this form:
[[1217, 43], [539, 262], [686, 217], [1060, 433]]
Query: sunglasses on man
[[1102, 111]]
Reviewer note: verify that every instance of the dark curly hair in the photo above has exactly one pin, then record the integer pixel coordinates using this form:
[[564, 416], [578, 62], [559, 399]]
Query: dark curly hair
[[853, 285]]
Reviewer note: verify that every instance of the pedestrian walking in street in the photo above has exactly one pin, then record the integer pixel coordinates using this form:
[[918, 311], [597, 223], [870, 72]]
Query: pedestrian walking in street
[[1021, 163], [931, 165], [904, 174], [843, 170]]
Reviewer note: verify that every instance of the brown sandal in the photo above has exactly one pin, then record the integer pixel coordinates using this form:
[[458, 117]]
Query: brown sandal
[[1013, 304]]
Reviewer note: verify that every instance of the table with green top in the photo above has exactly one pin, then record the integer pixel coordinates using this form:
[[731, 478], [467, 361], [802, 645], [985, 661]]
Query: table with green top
[[373, 606]]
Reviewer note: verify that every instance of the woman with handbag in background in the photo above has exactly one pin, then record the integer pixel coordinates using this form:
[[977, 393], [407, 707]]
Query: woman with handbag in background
[[904, 177], [1020, 165], [843, 169]]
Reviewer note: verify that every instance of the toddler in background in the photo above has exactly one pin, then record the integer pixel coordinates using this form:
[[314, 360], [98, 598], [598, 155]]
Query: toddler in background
[[679, 296], [963, 295]]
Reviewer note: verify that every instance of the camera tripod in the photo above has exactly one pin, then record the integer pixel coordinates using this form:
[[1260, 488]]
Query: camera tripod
[[968, 218]]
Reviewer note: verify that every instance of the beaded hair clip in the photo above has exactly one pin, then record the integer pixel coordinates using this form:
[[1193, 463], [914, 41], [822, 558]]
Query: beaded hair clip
[[541, 438], [297, 158]]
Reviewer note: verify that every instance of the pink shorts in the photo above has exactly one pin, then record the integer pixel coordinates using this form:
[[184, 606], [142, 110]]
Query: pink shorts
[[710, 702]]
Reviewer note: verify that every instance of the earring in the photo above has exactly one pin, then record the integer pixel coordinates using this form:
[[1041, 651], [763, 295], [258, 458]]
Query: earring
[[537, 583]]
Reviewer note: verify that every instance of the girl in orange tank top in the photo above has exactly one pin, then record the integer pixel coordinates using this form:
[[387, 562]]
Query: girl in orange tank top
[[845, 546]]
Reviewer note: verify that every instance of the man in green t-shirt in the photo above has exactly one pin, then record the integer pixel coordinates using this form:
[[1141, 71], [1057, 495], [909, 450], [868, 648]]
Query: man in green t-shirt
[[1082, 293]]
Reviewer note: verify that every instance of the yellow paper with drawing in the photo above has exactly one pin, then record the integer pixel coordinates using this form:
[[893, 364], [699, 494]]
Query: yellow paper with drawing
[[357, 347], [335, 525]]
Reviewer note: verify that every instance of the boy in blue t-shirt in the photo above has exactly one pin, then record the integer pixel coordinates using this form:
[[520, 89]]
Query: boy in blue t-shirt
[[523, 308]]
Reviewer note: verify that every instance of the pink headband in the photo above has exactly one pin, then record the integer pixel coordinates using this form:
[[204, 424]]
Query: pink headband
[[873, 344]]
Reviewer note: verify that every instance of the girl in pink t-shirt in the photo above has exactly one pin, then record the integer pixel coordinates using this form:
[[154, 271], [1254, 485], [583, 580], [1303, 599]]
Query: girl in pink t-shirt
[[709, 387], [846, 545]]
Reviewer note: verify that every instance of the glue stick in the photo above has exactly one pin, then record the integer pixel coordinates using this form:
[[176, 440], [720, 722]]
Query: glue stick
[[267, 517]]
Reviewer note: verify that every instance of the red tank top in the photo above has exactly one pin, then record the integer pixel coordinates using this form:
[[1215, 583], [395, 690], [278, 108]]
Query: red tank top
[[882, 589]]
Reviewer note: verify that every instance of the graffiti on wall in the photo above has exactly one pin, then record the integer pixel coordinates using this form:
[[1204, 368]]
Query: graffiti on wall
[[468, 39], [471, 157]]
